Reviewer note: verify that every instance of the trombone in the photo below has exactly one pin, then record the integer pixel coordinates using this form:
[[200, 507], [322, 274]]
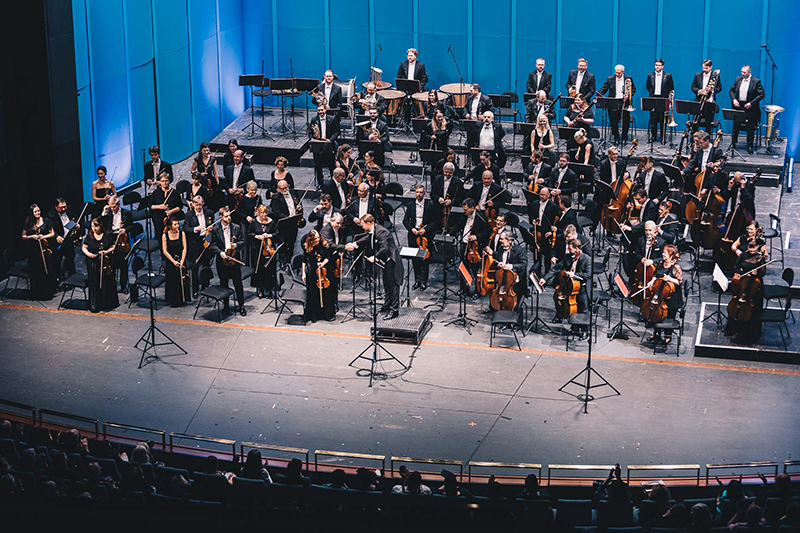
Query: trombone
[[628, 96]]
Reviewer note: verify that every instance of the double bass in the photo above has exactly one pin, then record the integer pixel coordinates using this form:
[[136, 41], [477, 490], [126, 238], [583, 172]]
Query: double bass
[[614, 210]]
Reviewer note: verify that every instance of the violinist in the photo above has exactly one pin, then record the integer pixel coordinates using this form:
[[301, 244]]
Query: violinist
[[335, 235], [514, 259], [421, 221], [246, 206], [563, 180], [173, 247], [338, 189], [580, 115], [198, 221], [369, 164], [39, 238], [102, 188], [669, 270], [706, 153], [739, 196], [350, 177], [237, 176], [543, 216], [324, 128], [280, 174], [156, 165], [60, 217], [226, 239], [264, 240], [488, 195], [471, 228], [648, 247], [537, 172], [98, 245], [568, 216], [576, 265], [205, 165], [118, 221], [165, 203], [485, 164], [436, 134], [284, 204], [323, 211], [667, 225], [227, 159], [380, 248], [653, 181], [752, 231], [447, 190], [585, 154], [751, 291], [198, 189], [643, 210], [316, 263], [560, 249]]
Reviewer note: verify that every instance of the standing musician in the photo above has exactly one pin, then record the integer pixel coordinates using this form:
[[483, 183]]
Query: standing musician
[[616, 87], [323, 211], [659, 84], [371, 98], [560, 249], [421, 220], [360, 206], [494, 238], [746, 92], [472, 227], [667, 225], [317, 262], [227, 159], [335, 236], [477, 104], [173, 248], [539, 80], [226, 238], [488, 194], [264, 240], [286, 203], [541, 139], [280, 173], [447, 190], [345, 160], [411, 69], [118, 222], [609, 171], [669, 270], [379, 247], [197, 189], [580, 81], [539, 107], [64, 258], [537, 172], [653, 181], [701, 88], [706, 153], [748, 332], [337, 188], [206, 167], [156, 165], [563, 180], [325, 128], [513, 258], [740, 194], [580, 115], [165, 202], [39, 238], [544, 213], [331, 91], [568, 216], [449, 157], [237, 176], [198, 219], [648, 248], [577, 265], [476, 174], [98, 245], [102, 188], [246, 205], [437, 132], [642, 211], [490, 137], [377, 191]]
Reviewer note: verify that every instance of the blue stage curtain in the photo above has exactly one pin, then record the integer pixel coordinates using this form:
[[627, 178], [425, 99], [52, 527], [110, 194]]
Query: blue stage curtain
[[436, 35]]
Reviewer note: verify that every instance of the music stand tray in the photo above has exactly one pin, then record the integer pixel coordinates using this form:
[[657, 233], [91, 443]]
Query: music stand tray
[[429, 156], [656, 104], [375, 146], [687, 107], [319, 147], [418, 124], [288, 222], [603, 102], [283, 86], [306, 85], [526, 128], [567, 134], [407, 86]]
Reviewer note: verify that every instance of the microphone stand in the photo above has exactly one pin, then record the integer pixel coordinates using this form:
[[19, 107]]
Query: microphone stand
[[774, 67], [461, 86], [374, 62]]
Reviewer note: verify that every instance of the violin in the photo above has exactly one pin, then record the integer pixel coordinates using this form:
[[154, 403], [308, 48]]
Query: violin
[[532, 185], [504, 298], [123, 244], [322, 278], [337, 265], [566, 294], [655, 308], [267, 250], [231, 252], [622, 189], [486, 274], [445, 212], [422, 243]]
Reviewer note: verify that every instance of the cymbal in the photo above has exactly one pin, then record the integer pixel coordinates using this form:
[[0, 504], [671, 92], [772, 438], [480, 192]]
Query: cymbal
[[774, 109]]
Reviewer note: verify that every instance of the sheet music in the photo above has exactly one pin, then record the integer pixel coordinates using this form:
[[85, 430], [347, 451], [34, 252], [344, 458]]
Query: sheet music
[[720, 278]]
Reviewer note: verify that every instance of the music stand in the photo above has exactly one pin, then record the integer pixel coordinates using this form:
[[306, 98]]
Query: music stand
[[445, 245], [470, 126], [618, 331], [253, 80], [526, 128], [376, 147], [585, 175], [567, 134], [428, 157], [409, 87], [411, 254], [720, 280], [306, 85], [607, 104], [737, 116], [283, 87], [655, 105], [320, 147], [537, 289], [418, 125], [462, 320]]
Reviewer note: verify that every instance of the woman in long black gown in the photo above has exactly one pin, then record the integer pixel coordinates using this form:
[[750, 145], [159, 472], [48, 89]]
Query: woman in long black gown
[[205, 165], [748, 332], [436, 134], [265, 240], [173, 246], [102, 189], [165, 202], [280, 173], [319, 302], [39, 238], [98, 247]]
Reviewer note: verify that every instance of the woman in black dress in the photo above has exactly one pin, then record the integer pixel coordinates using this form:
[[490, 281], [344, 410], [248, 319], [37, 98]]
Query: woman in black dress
[[206, 166], [198, 189], [102, 189], [173, 246], [227, 160], [265, 240], [98, 247], [748, 332], [319, 301], [165, 202], [449, 157], [585, 154], [39, 238], [542, 139], [670, 270], [280, 173], [352, 172], [437, 133], [246, 207]]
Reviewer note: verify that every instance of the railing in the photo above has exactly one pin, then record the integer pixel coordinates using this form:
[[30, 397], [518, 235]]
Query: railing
[[664, 468], [95, 422], [137, 429], [214, 440], [349, 455], [23, 407], [273, 447], [575, 468], [444, 462], [739, 466], [488, 464], [789, 464]]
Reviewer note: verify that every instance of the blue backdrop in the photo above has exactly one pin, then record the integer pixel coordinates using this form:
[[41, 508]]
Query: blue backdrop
[[166, 71]]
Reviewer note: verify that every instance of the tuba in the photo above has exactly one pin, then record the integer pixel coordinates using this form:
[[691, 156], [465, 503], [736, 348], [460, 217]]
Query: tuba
[[628, 97], [771, 110]]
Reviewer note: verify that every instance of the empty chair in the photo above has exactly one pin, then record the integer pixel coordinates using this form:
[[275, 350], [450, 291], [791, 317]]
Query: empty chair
[[14, 270], [614, 514], [574, 513], [217, 293]]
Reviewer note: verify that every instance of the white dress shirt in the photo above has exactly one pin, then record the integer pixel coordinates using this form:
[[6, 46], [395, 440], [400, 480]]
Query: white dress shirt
[[363, 206], [475, 103], [578, 81], [486, 140], [419, 212], [201, 220], [226, 233], [64, 221], [290, 203], [468, 228], [237, 169], [706, 78], [743, 88], [412, 66], [484, 196], [619, 86]]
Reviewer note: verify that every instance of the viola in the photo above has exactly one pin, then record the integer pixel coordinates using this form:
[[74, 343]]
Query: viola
[[566, 295], [231, 253], [123, 244], [504, 298], [337, 265], [614, 210], [422, 243], [654, 309], [267, 250], [486, 274]]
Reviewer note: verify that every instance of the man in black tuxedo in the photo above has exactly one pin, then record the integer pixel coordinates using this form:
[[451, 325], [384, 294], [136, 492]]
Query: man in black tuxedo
[[490, 137], [372, 98], [60, 216], [563, 181], [648, 212], [611, 169], [544, 213], [569, 233], [331, 91], [539, 80], [582, 80], [648, 247], [477, 103], [421, 219], [237, 176], [323, 130], [700, 88], [537, 171], [118, 221], [488, 194], [615, 88], [568, 216], [740, 194], [338, 188], [411, 69], [286, 203], [539, 106], [322, 213], [472, 227], [493, 246], [659, 84], [198, 219], [381, 249], [578, 264], [514, 259], [155, 166], [376, 123], [667, 225], [336, 237], [746, 92], [447, 190], [705, 153], [226, 236], [653, 181]]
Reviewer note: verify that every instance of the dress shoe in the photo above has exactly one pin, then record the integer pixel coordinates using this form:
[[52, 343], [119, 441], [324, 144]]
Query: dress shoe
[[556, 320], [391, 314], [260, 294], [584, 335], [415, 286], [423, 286], [195, 294], [125, 289], [750, 150], [476, 296], [242, 311]]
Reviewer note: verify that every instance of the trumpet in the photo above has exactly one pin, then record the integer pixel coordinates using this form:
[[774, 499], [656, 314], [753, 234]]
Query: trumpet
[[628, 96], [671, 110]]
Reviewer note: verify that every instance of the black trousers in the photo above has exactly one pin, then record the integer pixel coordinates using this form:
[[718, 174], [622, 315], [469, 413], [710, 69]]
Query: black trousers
[[232, 273], [65, 259], [391, 287], [323, 160], [421, 266], [750, 125], [656, 125], [613, 117]]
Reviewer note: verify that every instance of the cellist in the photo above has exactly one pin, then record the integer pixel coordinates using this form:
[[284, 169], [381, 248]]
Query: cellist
[[667, 223], [575, 265], [740, 195], [472, 227], [609, 171], [706, 153], [751, 231], [648, 248], [514, 260], [669, 270], [421, 221], [749, 332]]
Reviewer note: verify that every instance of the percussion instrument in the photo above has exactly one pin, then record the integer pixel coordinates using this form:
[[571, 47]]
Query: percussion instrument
[[421, 101], [393, 100], [459, 92], [377, 74]]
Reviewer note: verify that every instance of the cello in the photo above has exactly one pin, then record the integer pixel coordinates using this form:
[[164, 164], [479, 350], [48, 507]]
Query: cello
[[566, 294], [742, 304], [734, 225], [622, 188], [504, 298], [642, 278], [655, 308], [486, 274]]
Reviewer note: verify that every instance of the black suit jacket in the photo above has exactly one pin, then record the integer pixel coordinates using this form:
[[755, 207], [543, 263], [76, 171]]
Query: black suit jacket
[[327, 233], [587, 87], [570, 216], [278, 208], [245, 175], [384, 248], [419, 72], [430, 220], [655, 253], [604, 172], [319, 217], [517, 258], [55, 220], [532, 110], [455, 188], [352, 209], [545, 84], [382, 128], [697, 160], [149, 171], [697, 85], [551, 212], [480, 228], [107, 220], [560, 249], [499, 151], [336, 95], [669, 232], [667, 84], [484, 105], [498, 199], [331, 130], [569, 183], [329, 187], [193, 239], [380, 102], [755, 93], [545, 172], [217, 244], [476, 174], [582, 269], [659, 188], [610, 86]]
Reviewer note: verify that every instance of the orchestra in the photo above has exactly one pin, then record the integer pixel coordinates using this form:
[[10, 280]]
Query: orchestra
[[646, 213]]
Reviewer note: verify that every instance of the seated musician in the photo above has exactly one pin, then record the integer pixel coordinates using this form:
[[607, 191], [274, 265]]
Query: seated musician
[[436, 134], [669, 270], [577, 266], [543, 215], [746, 92], [449, 157], [537, 172], [476, 174], [433, 104], [585, 154], [667, 223], [570, 233], [648, 248], [706, 153], [514, 259], [490, 138], [472, 227], [653, 181], [422, 219], [488, 194], [563, 180], [539, 107], [752, 231], [580, 115], [644, 210], [371, 98], [494, 239], [568, 216], [748, 331], [376, 130]]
